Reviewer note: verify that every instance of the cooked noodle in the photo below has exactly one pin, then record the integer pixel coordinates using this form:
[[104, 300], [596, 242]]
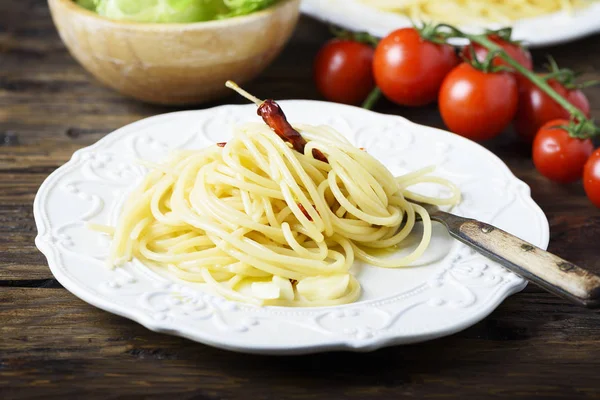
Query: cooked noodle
[[475, 12], [262, 223]]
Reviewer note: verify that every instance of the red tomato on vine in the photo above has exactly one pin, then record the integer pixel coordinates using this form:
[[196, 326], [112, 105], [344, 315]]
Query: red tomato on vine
[[476, 104], [591, 178], [536, 107], [559, 156], [343, 71], [409, 70]]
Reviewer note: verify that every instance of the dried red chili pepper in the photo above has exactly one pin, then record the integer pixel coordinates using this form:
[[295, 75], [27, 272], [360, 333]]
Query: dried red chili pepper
[[273, 116]]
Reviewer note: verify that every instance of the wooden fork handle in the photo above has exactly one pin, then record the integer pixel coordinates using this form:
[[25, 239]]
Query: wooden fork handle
[[545, 269]]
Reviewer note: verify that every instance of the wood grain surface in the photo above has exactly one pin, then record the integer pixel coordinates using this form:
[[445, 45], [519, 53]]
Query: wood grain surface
[[52, 345]]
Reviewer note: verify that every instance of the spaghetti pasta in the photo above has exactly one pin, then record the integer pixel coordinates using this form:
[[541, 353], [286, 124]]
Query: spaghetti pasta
[[474, 12], [264, 224]]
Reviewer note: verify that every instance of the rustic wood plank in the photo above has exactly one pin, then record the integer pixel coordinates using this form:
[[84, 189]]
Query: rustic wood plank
[[57, 344]]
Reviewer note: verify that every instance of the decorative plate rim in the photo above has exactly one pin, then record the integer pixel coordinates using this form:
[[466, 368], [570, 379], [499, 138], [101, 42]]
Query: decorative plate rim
[[52, 252]]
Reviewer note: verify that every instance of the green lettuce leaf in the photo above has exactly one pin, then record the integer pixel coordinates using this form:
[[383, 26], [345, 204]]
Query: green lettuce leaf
[[177, 11], [161, 10], [244, 7], [89, 4]]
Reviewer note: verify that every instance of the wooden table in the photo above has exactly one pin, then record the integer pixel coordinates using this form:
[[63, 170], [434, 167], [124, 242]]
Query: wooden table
[[54, 345]]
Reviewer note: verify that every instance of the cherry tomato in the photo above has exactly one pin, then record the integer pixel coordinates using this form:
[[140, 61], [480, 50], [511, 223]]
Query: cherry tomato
[[409, 69], [591, 178], [519, 53], [536, 107], [343, 71], [557, 155], [579, 100], [476, 104]]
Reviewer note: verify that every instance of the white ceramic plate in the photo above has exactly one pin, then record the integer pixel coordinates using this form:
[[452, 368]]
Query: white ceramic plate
[[452, 289], [540, 31]]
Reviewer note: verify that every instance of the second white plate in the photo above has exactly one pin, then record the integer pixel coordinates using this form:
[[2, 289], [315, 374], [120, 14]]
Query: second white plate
[[537, 32], [452, 289]]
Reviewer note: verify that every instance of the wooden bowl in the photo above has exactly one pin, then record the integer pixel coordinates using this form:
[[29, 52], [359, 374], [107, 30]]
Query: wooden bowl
[[174, 63]]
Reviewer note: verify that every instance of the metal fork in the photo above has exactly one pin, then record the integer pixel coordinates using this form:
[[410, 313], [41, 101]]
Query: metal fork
[[545, 269]]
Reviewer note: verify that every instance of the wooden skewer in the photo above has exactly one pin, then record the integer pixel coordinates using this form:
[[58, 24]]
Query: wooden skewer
[[234, 86], [274, 117]]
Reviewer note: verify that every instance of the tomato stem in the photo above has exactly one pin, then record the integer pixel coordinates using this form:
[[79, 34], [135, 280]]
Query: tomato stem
[[503, 33], [486, 65], [372, 98], [538, 81], [361, 37], [565, 76]]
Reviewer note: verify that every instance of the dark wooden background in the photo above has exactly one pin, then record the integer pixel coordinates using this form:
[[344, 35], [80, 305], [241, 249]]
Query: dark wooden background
[[52, 345]]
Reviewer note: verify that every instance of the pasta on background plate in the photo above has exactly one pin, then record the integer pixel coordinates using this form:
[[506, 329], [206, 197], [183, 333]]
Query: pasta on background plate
[[474, 12]]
